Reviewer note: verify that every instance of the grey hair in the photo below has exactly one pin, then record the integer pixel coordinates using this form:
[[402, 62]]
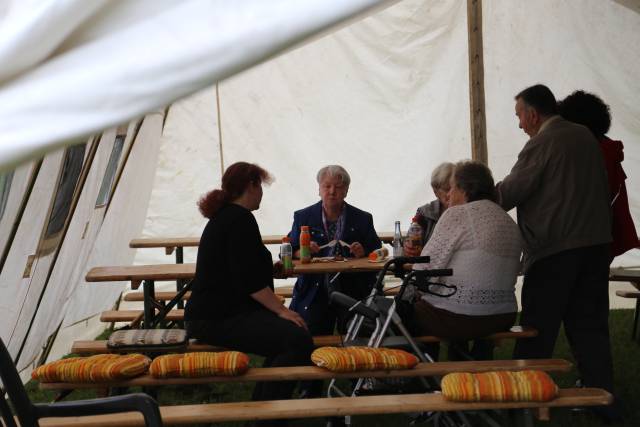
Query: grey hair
[[475, 179], [441, 175], [334, 170]]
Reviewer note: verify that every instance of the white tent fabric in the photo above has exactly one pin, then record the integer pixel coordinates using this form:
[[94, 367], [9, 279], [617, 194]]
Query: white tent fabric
[[76, 67], [357, 97], [98, 234], [387, 98], [589, 45]]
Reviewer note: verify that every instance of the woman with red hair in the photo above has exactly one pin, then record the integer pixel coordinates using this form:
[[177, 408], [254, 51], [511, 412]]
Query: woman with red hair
[[232, 302]]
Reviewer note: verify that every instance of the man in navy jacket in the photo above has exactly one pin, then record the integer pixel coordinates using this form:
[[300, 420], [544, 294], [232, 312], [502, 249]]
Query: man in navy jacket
[[329, 220]]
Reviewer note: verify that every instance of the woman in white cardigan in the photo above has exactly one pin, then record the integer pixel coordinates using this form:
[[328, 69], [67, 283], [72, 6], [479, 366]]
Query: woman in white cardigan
[[482, 244]]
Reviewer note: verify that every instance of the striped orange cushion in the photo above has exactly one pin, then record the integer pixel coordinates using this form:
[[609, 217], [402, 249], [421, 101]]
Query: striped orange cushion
[[507, 386], [349, 359], [201, 364], [102, 367]]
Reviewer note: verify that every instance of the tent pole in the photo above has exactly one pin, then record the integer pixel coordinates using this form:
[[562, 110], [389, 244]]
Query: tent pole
[[476, 82], [219, 130]]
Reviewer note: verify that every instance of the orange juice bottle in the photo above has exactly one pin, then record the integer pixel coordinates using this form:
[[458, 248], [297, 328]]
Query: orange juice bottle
[[305, 245]]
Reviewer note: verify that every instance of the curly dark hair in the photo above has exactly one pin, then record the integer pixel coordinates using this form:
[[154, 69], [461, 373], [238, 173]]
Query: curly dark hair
[[586, 109]]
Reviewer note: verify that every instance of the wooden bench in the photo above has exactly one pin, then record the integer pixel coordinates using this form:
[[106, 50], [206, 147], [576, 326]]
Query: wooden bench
[[631, 275], [628, 294], [283, 291], [636, 320], [325, 407], [100, 346], [295, 373], [131, 315]]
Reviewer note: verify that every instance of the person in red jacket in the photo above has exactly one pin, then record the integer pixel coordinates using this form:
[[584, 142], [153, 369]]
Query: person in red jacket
[[589, 110]]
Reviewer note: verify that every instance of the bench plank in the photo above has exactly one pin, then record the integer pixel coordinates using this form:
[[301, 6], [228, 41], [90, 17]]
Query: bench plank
[[622, 274], [324, 407], [159, 296], [283, 291], [183, 242], [628, 294], [136, 273], [100, 346], [316, 373], [171, 272], [131, 315]]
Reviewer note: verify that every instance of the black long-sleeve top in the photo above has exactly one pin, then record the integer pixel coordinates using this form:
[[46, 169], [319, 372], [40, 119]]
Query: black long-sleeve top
[[232, 264]]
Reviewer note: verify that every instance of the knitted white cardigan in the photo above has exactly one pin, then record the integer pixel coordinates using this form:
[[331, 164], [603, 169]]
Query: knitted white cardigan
[[482, 244]]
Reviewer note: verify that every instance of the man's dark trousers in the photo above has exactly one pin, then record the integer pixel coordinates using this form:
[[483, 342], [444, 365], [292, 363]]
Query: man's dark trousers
[[570, 287]]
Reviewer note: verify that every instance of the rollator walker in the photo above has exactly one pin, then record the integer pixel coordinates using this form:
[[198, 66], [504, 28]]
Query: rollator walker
[[376, 323]]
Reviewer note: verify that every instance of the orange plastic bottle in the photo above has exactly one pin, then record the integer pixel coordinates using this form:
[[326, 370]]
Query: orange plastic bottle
[[305, 245]]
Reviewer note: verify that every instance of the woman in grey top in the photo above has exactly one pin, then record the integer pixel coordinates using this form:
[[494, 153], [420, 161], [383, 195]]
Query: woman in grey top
[[429, 214]]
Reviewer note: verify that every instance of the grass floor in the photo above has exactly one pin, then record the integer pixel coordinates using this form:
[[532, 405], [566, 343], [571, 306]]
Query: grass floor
[[626, 356]]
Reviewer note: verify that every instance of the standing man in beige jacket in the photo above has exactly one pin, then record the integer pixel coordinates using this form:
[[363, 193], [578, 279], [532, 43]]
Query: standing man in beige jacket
[[559, 187]]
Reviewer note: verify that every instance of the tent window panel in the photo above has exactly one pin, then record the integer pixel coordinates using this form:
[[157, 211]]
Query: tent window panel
[[73, 160], [5, 187], [110, 174]]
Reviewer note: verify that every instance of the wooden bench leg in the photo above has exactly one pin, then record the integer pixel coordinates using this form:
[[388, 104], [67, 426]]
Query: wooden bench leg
[[523, 417], [149, 298], [636, 319], [180, 283], [61, 395], [542, 414]]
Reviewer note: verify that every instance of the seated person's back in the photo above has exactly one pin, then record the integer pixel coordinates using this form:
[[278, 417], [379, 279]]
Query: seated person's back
[[482, 244]]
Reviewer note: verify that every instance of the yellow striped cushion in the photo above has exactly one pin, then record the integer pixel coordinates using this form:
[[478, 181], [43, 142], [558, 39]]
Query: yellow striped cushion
[[507, 386], [349, 359], [201, 364], [102, 367]]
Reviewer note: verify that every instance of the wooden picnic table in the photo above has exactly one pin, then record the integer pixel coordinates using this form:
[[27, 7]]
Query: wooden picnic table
[[623, 274], [178, 243], [136, 274], [631, 275], [149, 274]]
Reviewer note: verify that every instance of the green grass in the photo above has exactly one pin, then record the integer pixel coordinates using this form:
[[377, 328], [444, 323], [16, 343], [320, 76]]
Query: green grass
[[626, 355]]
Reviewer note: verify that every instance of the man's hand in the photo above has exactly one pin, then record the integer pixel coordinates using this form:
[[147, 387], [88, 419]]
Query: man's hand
[[357, 249], [292, 316], [314, 248]]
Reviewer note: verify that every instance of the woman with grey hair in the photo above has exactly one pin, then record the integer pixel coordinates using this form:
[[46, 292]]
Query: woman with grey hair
[[429, 214], [480, 242], [336, 228], [332, 223]]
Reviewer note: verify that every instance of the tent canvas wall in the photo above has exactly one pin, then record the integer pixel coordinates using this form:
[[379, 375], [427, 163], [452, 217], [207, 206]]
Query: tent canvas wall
[[387, 97]]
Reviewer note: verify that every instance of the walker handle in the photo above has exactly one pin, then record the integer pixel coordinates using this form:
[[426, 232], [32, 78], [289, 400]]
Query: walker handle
[[353, 305]]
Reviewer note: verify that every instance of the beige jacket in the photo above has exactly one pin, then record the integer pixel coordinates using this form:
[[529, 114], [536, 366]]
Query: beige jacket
[[559, 187]]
